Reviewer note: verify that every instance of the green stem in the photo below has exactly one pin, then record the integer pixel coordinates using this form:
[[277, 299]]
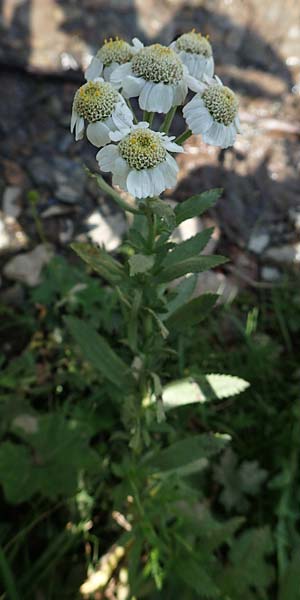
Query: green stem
[[168, 119], [184, 136], [113, 194], [148, 116], [151, 218], [8, 578]]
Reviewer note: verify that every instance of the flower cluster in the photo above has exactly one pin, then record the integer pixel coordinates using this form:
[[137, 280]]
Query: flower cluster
[[160, 78]]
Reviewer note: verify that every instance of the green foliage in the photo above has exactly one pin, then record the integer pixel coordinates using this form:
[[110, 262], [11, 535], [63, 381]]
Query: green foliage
[[189, 265], [196, 205], [192, 312]]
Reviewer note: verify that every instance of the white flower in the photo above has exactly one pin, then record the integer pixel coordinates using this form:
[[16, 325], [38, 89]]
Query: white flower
[[214, 113], [157, 76], [112, 54], [141, 163], [196, 53], [103, 108]]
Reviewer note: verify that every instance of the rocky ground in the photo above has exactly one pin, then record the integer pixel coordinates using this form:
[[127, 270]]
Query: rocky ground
[[44, 46]]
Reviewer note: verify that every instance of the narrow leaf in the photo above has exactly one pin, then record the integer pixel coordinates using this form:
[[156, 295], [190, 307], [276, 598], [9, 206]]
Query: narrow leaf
[[165, 214], [196, 205], [183, 292], [189, 248], [192, 312], [100, 261], [187, 451], [98, 352], [190, 265], [223, 386]]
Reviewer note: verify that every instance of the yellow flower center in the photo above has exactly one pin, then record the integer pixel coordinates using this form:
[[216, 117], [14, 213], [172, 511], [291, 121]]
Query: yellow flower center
[[221, 103], [116, 50], [157, 63], [95, 101], [195, 43], [142, 149]]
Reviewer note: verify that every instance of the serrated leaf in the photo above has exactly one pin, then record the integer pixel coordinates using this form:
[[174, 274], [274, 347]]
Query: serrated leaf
[[140, 263], [185, 452], [51, 462], [100, 261], [182, 392], [224, 386], [183, 291], [190, 265], [192, 312], [188, 248], [165, 214], [196, 205], [98, 352]]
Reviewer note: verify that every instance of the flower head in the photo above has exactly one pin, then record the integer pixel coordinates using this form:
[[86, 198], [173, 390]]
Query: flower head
[[113, 53], [157, 76], [141, 163], [214, 113], [98, 103], [195, 52]]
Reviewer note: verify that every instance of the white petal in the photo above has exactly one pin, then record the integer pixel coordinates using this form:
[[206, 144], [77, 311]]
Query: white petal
[[79, 128], [197, 116], [122, 169], [180, 91], [119, 134], [237, 124], [137, 44], [122, 116], [94, 69], [169, 170], [98, 134], [210, 66], [119, 74], [139, 183], [107, 71], [147, 89], [107, 157], [132, 86], [171, 146], [74, 118], [194, 84], [216, 135], [218, 80]]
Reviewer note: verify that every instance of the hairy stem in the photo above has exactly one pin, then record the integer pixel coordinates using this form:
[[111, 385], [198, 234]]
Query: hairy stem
[[168, 120], [113, 194], [184, 136]]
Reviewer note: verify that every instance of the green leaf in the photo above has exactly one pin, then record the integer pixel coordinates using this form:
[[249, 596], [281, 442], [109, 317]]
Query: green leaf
[[98, 352], [195, 576], [140, 263], [50, 463], [192, 312], [183, 453], [182, 392], [196, 205], [165, 214], [100, 261], [290, 588], [189, 247], [182, 292], [190, 265]]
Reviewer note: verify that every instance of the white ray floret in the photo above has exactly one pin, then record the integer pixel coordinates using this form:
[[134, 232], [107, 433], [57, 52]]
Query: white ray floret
[[195, 52], [104, 109], [141, 163], [112, 54], [214, 113], [157, 76]]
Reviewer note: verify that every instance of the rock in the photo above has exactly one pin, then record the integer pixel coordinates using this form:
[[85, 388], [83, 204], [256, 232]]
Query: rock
[[288, 254], [270, 274], [13, 295], [258, 242], [106, 231], [11, 201], [27, 267], [56, 210], [39, 170], [12, 236], [69, 178], [294, 216], [66, 235]]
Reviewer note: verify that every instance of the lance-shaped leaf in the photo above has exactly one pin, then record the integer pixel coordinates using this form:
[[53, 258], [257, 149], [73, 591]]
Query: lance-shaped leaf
[[190, 265], [98, 352], [99, 260], [192, 312], [196, 205], [188, 452], [165, 214], [200, 389], [188, 248], [183, 291]]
